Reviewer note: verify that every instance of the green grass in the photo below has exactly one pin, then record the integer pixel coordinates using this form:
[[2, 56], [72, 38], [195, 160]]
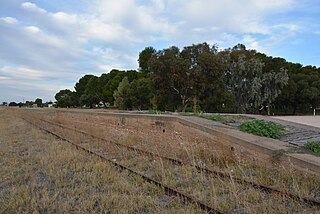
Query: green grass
[[263, 128], [313, 146]]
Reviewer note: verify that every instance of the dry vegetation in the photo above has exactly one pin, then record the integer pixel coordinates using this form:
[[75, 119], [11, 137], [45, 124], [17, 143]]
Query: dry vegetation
[[40, 174], [44, 174]]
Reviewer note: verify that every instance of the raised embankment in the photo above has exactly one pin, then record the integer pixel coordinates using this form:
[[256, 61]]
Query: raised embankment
[[264, 148]]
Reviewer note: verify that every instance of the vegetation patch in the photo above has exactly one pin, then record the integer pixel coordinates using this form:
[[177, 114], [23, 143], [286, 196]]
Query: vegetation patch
[[226, 118], [263, 128], [313, 146]]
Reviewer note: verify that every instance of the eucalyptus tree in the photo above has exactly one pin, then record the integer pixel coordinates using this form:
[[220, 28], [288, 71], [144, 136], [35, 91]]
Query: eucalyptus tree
[[254, 78], [246, 79], [272, 85], [190, 75]]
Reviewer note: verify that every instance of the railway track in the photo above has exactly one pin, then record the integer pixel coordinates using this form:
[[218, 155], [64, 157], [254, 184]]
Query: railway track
[[170, 190]]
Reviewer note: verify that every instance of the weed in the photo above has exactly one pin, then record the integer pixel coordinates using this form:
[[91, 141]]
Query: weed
[[263, 128], [313, 146]]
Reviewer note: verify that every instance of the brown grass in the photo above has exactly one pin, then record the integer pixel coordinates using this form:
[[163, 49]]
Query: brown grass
[[40, 174]]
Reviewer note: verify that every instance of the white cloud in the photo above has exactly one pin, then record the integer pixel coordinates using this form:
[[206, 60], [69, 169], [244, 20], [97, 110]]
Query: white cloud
[[4, 78], [9, 20], [24, 73], [32, 7], [245, 16], [14, 90], [251, 42], [32, 29]]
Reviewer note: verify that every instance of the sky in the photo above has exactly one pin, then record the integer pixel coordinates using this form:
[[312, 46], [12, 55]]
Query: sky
[[47, 45]]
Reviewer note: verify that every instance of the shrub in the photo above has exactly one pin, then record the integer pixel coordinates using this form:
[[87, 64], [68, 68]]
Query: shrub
[[263, 128], [313, 146]]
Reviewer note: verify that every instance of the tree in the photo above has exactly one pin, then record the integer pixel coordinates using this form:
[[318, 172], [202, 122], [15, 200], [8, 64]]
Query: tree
[[38, 101], [92, 93], [140, 93], [64, 98], [302, 91], [80, 86], [246, 81], [29, 103], [13, 104], [188, 74], [272, 84], [206, 71], [251, 81], [121, 98], [171, 77], [111, 82], [144, 57]]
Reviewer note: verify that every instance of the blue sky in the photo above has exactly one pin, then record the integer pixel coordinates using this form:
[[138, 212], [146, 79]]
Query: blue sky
[[48, 45]]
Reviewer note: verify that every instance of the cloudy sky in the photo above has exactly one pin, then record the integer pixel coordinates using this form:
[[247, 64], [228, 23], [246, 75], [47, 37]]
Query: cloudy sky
[[48, 45]]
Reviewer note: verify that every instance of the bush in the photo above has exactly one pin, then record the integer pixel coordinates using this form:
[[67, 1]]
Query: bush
[[263, 128], [313, 146]]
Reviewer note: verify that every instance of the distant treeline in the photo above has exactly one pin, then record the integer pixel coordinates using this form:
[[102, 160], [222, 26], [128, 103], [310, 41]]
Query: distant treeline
[[38, 102], [201, 78]]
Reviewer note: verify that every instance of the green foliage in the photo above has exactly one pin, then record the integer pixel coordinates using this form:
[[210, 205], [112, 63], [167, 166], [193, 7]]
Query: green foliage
[[225, 118], [250, 82], [215, 117], [140, 93], [121, 98], [302, 94], [313, 146], [263, 128], [144, 57], [66, 98], [38, 101], [185, 78]]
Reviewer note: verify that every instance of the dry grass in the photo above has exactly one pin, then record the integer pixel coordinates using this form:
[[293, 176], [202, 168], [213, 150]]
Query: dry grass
[[187, 145], [40, 174]]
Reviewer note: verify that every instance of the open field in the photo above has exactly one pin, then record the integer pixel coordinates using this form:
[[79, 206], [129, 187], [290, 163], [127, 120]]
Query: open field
[[42, 173]]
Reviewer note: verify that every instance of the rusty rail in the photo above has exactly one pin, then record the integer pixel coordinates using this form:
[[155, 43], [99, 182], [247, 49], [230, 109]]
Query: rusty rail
[[265, 188], [168, 190]]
